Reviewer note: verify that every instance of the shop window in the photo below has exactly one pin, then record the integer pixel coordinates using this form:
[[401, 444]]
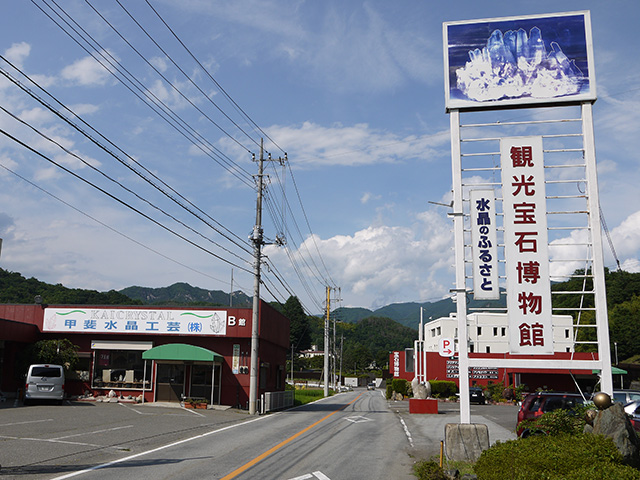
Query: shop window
[[409, 355], [120, 369], [201, 381]]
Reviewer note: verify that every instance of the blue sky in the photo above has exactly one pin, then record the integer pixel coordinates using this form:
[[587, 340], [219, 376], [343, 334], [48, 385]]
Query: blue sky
[[353, 92]]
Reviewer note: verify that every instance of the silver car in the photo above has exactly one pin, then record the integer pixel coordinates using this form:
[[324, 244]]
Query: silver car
[[44, 382]]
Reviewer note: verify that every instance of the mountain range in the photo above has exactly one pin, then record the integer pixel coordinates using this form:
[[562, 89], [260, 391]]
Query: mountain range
[[183, 293], [407, 314]]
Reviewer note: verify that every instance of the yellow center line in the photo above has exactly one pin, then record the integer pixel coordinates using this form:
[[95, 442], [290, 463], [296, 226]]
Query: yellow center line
[[259, 458]]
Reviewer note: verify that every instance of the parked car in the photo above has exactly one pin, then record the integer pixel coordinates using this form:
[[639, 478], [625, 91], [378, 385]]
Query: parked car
[[476, 395], [536, 404], [626, 396], [44, 382], [633, 410]]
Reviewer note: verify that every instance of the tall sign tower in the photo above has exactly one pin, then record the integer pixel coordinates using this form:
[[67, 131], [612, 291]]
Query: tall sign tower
[[519, 93]]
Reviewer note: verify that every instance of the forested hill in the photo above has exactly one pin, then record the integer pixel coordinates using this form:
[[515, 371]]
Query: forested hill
[[408, 314], [183, 293], [14, 288]]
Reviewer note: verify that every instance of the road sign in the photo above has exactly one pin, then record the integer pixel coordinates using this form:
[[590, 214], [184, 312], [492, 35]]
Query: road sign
[[446, 347]]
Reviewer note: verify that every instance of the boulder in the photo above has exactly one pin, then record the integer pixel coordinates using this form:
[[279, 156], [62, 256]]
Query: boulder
[[421, 391], [614, 423]]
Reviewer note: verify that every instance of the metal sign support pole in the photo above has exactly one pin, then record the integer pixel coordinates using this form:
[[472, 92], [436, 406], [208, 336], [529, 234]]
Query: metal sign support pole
[[460, 290], [602, 323]]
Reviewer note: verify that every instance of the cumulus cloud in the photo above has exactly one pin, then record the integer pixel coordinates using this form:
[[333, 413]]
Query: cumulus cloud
[[315, 145], [86, 71], [17, 53], [383, 264], [368, 196]]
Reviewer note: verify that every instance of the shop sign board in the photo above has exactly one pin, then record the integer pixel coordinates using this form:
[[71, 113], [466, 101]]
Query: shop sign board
[[484, 245], [526, 246], [524, 60], [136, 321], [475, 373]]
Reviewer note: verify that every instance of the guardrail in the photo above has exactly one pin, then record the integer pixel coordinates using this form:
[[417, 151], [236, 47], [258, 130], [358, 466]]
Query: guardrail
[[272, 401]]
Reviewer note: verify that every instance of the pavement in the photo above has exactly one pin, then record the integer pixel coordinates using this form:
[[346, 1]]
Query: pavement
[[425, 432]]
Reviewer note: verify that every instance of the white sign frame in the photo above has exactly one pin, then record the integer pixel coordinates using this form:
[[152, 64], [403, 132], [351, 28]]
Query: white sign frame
[[135, 321], [484, 244]]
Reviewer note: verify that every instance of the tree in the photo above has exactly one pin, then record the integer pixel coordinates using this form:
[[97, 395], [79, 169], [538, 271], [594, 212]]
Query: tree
[[300, 335], [58, 352], [623, 327]]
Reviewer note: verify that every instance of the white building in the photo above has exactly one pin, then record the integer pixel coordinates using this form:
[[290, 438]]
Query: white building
[[489, 332]]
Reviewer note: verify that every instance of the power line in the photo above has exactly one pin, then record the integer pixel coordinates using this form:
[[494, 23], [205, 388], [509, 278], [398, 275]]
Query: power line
[[127, 189], [208, 74], [105, 149], [122, 202], [147, 96], [109, 227]]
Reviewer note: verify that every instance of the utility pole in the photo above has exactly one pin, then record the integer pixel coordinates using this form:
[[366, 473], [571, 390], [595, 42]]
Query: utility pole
[[326, 344], [327, 347], [257, 240]]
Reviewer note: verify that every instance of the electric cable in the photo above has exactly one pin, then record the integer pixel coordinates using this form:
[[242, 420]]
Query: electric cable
[[146, 96], [109, 227], [127, 189], [122, 202], [126, 164], [208, 74]]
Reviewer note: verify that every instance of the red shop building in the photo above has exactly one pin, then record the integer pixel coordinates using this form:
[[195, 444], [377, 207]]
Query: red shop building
[[401, 365], [159, 353]]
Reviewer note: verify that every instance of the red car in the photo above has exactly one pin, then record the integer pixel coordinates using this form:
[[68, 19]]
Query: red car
[[536, 404]]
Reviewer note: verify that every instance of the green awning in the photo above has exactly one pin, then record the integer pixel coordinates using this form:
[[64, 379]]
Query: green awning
[[614, 371], [181, 351]]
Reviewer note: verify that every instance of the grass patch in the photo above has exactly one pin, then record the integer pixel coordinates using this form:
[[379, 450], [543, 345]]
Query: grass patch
[[308, 395]]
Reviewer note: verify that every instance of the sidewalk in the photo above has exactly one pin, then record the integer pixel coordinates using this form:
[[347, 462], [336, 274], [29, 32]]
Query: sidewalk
[[425, 432]]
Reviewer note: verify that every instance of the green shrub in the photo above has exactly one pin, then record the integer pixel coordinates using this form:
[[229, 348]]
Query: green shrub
[[544, 457], [443, 388], [429, 470], [604, 470], [494, 391], [389, 390], [558, 422], [400, 385]]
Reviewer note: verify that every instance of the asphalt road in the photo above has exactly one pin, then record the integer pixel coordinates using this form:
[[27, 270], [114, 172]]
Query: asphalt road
[[349, 436]]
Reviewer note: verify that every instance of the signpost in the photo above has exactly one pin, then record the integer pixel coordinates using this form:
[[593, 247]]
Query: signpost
[[520, 212]]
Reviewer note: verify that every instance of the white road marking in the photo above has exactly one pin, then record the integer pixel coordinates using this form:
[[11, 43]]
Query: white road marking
[[406, 430], [50, 440], [358, 419], [30, 421], [91, 433], [318, 475], [154, 450]]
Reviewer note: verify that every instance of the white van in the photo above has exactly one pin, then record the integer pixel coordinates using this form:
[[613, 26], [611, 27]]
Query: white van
[[44, 382]]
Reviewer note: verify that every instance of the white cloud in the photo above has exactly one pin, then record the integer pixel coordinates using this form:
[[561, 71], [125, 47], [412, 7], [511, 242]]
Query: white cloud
[[17, 53], [315, 146], [84, 108], [86, 71], [626, 237], [368, 196], [384, 264]]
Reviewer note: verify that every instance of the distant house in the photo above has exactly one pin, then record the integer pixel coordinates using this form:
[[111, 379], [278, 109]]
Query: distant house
[[489, 332], [313, 352]]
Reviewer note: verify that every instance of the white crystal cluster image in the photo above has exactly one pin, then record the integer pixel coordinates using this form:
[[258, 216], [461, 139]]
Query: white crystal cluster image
[[516, 65]]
